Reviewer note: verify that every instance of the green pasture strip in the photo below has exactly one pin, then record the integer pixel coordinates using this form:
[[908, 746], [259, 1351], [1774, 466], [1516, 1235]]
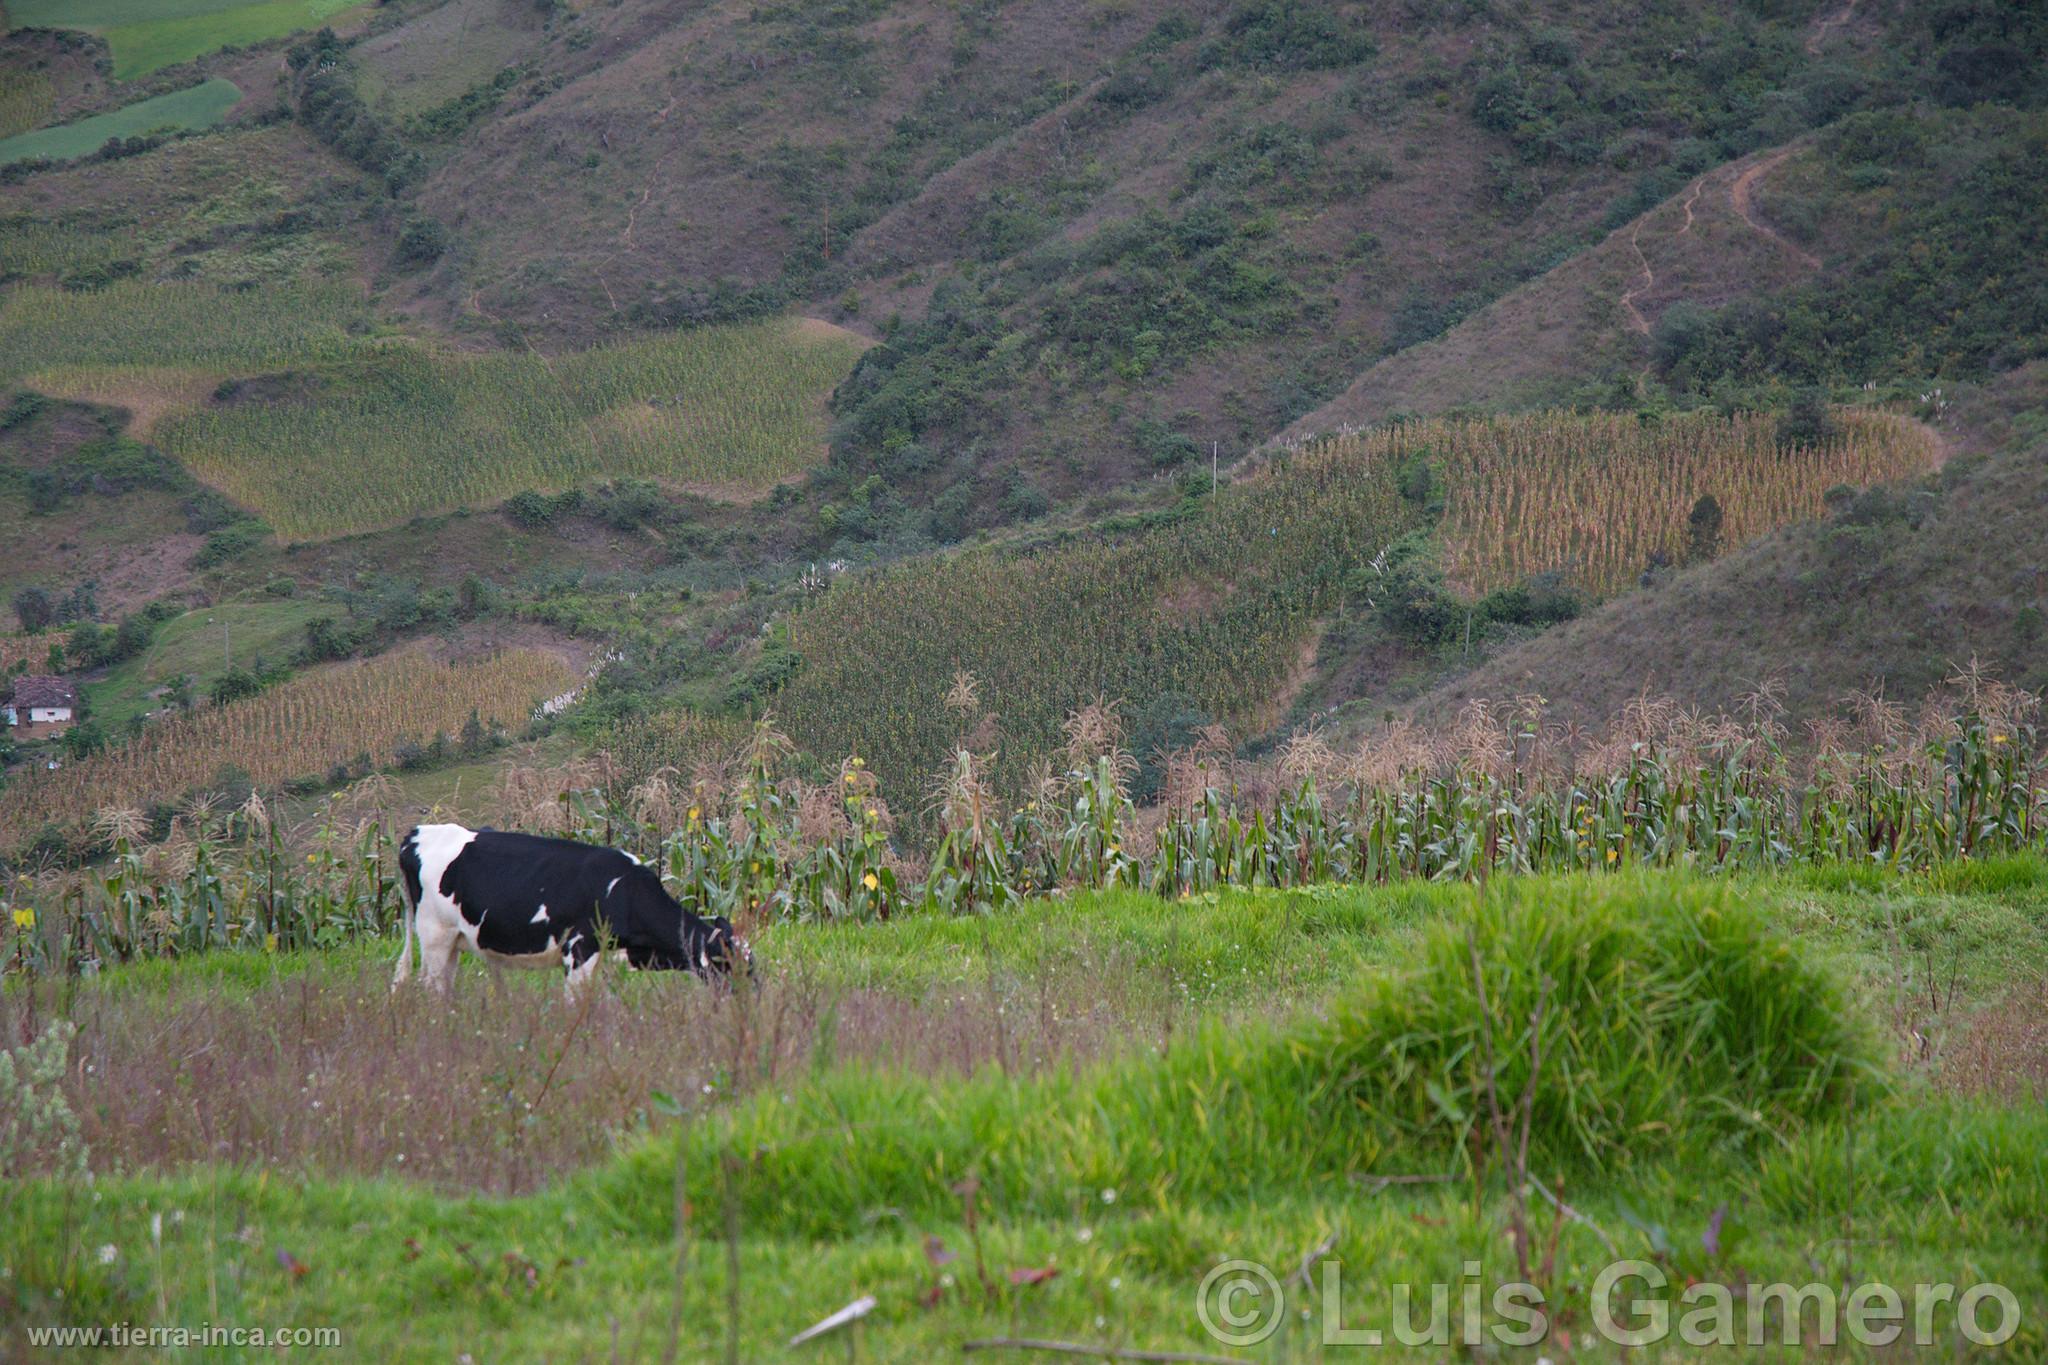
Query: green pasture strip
[[145, 47], [410, 1275], [200, 106]]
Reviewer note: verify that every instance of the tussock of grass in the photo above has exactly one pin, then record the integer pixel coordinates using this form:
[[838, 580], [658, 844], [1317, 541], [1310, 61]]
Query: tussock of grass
[[1676, 1020]]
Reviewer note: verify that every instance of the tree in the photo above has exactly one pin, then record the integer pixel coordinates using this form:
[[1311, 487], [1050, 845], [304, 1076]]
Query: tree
[[84, 739], [34, 609], [1703, 530], [234, 685], [1806, 420]]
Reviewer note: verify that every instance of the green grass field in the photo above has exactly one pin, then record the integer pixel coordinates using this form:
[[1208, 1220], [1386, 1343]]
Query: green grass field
[[147, 34], [200, 106], [1132, 1091], [376, 431]]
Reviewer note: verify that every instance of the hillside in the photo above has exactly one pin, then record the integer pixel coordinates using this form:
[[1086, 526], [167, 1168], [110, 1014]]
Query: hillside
[[1895, 591], [1146, 227], [773, 349]]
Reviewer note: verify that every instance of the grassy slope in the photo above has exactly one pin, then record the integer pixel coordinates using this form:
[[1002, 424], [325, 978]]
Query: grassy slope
[[203, 645], [1569, 330], [891, 147], [201, 106], [1944, 1189]]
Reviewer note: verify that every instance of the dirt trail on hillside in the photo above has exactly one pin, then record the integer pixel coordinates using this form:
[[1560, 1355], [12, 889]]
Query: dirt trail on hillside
[[1647, 281], [1823, 27], [1741, 195], [1690, 200]]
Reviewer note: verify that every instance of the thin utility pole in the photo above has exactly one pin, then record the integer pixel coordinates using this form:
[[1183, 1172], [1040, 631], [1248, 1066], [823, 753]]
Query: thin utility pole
[[1213, 447]]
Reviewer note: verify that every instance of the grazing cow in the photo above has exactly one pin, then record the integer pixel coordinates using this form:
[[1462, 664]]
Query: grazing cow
[[530, 901]]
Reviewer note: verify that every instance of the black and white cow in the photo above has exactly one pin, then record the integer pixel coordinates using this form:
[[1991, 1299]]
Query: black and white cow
[[531, 901]]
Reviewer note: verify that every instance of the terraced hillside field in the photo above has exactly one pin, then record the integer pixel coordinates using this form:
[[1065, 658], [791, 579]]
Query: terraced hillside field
[[364, 433], [1212, 617], [301, 728], [1596, 499], [1205, 615], [402, 430]]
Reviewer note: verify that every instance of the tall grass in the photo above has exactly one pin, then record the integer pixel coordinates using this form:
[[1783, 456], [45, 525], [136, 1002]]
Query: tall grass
[[1595, 498], [1673, 1018], [298, 729], [401, 430]]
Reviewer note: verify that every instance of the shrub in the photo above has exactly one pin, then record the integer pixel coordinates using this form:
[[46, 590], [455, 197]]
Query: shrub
[[422, 241], [39, 1135]]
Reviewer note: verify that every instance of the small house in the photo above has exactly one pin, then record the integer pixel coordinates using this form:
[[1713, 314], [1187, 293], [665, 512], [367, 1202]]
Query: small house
[[40, 700]]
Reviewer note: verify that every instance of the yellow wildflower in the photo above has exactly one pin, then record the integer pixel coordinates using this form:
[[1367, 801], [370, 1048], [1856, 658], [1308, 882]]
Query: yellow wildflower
[[24, 918], [849, 779], [1612, 856], [1998, 739], [872, 813], [693, 815]]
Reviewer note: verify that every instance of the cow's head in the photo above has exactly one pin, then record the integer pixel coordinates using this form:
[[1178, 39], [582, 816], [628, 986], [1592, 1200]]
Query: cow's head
[[721, 951]]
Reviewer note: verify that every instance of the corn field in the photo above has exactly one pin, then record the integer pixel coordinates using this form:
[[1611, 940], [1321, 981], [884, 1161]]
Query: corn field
[[1594, 498], [1503, 793], [181, 324], [27, 99], [1212, 611], [401, 430], [34, 648], [301, 728]]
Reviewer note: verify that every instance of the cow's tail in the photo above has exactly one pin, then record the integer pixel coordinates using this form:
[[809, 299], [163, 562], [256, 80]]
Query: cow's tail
[[409, 877]]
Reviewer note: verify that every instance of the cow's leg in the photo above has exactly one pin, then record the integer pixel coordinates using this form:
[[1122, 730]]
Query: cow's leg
[[440, 945], [579, 963], [407, 926]]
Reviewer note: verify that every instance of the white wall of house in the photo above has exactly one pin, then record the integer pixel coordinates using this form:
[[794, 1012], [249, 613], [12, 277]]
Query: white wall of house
[[47, 715]]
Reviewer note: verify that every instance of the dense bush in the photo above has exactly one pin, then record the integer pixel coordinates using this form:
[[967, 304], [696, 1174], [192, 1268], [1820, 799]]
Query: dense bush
[[1957, 289]]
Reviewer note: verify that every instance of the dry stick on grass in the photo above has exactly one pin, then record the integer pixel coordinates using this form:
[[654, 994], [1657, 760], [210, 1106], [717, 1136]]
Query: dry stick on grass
[[1376, 1183], [1565, 1210], [1315, 1253], [1080, 1348]]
